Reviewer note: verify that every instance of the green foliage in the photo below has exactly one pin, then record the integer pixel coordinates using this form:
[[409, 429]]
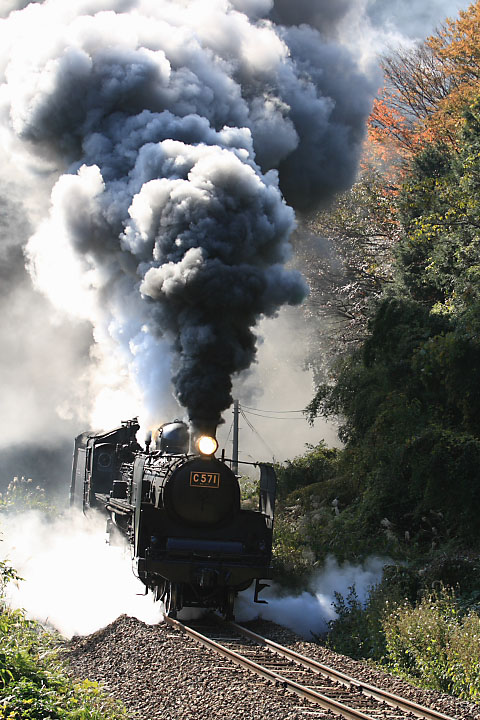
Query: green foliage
[[292, 559], [7, 574], [409, 396], [33, 682], [308, 524], [417, 639], [431, 637], [437, 644], [439, 256], [410, 402], [463, 653], [358, 630], [249, 492], [22, 495], [316, 466]]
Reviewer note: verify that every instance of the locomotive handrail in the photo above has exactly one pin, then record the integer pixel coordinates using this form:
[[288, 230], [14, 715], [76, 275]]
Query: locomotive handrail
[[124, 509], [248, 462]]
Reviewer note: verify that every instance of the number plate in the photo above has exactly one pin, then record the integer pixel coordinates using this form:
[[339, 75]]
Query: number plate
[[205, 479]]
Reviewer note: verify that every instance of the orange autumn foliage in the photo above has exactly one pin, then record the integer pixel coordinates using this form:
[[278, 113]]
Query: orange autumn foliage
[[392, 137], [427, 90]]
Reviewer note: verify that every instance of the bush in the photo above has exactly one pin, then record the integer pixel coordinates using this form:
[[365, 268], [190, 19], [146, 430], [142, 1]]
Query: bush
[[7, 574], [22, 495], [292, 561], [464, 658], [436, 644], [358, 630], [318, 465], [431, 640], [417, 639]]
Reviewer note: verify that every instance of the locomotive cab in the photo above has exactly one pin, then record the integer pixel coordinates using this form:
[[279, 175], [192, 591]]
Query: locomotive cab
[[97, 458]]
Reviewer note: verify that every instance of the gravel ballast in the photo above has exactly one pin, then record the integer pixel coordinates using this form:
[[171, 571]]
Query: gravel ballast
[[159, 673]]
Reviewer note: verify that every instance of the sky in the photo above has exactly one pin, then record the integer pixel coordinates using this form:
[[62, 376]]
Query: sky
[[113, 221]]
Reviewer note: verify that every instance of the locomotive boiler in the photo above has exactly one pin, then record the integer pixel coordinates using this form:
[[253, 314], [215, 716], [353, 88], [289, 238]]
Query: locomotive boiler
[[179, 508]]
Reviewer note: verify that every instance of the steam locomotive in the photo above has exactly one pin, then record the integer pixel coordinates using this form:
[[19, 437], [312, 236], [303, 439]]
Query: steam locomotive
[[180, 510]]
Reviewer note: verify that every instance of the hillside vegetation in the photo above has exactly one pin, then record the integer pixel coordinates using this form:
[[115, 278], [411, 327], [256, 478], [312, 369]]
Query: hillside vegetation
[[406, 380]]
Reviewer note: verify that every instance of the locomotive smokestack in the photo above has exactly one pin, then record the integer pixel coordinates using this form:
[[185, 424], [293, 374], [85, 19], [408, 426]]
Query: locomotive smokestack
[[169, 227], [201, 430]]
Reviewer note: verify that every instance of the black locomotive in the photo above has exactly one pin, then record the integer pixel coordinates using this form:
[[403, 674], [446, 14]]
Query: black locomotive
[[193, 544]]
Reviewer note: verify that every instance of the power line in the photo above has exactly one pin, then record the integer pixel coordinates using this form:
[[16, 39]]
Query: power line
[[278, 412], [272, 417], [253, 429], [229, 432]]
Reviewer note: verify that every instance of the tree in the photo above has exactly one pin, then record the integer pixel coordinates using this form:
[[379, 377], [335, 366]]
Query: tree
[[440, 254], [416, 84], [361, 229], [428, 87]]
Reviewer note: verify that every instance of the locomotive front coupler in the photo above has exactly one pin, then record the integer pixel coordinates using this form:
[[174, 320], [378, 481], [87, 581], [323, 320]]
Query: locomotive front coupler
[[207, 578]]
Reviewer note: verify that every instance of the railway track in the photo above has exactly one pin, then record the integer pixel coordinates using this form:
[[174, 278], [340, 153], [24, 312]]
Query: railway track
[[332, 690]]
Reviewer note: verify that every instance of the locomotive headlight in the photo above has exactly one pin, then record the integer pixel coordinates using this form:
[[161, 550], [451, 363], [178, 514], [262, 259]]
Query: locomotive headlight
[[207, 445]]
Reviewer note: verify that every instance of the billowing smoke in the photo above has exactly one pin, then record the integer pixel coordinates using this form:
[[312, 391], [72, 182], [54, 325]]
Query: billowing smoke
[[9, 6], [320, 14], [309, 612], [174, 134], [71, 579], [41, 353]]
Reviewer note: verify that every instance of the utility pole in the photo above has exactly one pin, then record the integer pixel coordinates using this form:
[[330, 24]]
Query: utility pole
[[235, 437]]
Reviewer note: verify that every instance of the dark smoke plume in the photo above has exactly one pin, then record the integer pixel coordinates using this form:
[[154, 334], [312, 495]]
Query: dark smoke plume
[[323, 15], [178, 131]]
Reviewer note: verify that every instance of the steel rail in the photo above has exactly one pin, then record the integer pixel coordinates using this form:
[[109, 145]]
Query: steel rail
[[385, 696], [327, 703]]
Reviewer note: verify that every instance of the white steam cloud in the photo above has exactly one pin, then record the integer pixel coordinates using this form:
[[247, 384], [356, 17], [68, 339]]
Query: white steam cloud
[[77, 583], [309, 613], [274, 393], [72, 579]]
